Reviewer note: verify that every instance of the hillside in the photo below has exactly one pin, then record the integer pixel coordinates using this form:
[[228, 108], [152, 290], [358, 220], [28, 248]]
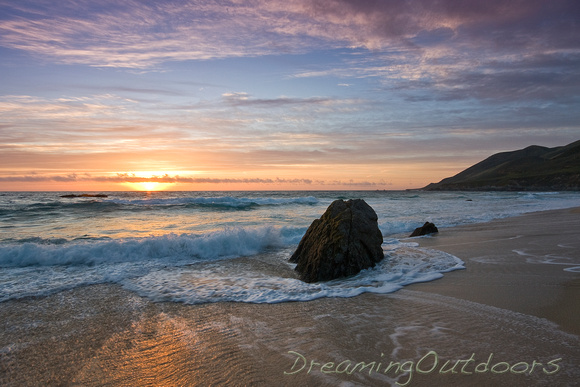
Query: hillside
[[534, 168]]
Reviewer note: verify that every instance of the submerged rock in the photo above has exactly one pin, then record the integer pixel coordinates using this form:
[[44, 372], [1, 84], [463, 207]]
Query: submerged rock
[[427, 228], [344, 241], [84, 196]]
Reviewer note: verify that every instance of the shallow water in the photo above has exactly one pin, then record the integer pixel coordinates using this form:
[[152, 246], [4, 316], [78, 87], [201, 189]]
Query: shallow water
[[104, 335]]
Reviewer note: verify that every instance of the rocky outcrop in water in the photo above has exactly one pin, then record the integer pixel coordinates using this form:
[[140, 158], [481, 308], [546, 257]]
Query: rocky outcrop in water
[[344, 241], [84, 196], [427, 228]]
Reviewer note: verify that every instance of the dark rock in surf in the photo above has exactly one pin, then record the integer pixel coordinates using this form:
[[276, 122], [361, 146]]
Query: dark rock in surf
[[84, 196], [427, 228], [344, 241]]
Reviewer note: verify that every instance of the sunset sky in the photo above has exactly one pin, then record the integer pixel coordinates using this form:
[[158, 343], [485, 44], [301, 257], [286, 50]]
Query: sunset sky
[[99, 95]]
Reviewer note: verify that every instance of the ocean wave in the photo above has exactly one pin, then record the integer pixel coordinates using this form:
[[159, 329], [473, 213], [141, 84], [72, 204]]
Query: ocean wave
[[236, 265], [220, 201], [537, 195], [57, 208], [230, 242], [393, 227]]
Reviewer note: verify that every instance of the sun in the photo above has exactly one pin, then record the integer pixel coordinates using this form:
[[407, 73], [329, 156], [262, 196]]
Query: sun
[[147, 181], [150, 186]]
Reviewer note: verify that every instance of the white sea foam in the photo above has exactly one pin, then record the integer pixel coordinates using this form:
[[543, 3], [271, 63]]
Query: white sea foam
[[551, 259], [38, 268], [229, 281], [206, 268]]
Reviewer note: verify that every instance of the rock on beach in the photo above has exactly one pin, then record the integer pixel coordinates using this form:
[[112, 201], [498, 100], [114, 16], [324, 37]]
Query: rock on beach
[[427, 228], [344, 241]]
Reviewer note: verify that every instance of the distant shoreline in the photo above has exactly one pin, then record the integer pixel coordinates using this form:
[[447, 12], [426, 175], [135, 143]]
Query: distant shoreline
[[535, 168]]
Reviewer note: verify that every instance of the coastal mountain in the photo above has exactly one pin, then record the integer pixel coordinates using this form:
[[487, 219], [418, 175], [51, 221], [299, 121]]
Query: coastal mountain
[[535, 168]]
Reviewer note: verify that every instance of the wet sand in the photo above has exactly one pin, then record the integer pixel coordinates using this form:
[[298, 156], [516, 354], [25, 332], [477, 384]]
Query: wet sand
[[509, 319], [529, 264]]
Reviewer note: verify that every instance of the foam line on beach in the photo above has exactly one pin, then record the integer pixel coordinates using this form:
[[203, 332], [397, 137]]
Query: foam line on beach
[[240, 282]]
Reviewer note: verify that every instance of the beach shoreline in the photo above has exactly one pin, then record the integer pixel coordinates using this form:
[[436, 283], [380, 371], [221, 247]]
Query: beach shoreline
[[508, 265], [508, 312]]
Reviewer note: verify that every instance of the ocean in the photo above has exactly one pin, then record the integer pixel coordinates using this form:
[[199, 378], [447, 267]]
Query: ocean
[[208, 247]]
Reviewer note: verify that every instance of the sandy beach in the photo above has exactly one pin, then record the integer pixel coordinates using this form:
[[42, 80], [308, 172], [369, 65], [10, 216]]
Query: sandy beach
[[509, 319], [529, 264]]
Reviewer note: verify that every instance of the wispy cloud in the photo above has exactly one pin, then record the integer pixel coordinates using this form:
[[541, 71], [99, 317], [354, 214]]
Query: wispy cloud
[[176, 179], [138, 34], [134, 34], [239, 131], [456, 49], [242, 99]]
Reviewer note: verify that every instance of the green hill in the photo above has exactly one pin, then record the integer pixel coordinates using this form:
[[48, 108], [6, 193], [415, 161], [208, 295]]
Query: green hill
[[535, 168]]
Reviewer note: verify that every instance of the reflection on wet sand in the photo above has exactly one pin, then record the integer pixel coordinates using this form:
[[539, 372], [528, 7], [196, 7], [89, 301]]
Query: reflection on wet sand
[[104, 335]]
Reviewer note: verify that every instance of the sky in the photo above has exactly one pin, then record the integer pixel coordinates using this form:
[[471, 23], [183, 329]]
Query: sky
[[107, 95]]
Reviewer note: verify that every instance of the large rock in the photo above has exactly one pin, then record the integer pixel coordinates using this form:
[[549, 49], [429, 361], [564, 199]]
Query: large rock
[[344, 241]]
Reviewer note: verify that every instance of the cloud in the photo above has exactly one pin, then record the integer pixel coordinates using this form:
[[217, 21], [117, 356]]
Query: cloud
[[39, 178], [447, 50], [166, 178], [77, 130], [242, 99], [135, 34], [547, 77], [176, 179]]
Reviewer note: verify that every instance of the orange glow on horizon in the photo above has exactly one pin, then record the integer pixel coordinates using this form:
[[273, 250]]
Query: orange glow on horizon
[[325, 177], [146, 181], [149, 186]]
